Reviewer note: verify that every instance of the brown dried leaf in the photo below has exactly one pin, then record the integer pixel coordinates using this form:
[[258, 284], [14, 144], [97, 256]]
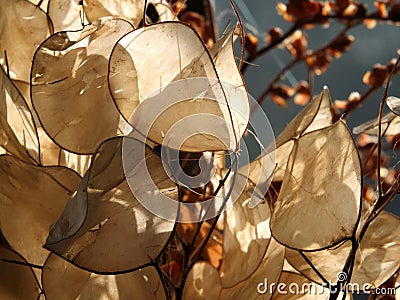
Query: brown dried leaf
[[370, 23], [365, 140], [356, 10], [281, 93], [251, 42], [376, 77], [394, 12], [341, 104], [274, 34], [328, 189], [297, 44], [343, 4], [304, 9], [340, 44], [319, 62], [302, 94]]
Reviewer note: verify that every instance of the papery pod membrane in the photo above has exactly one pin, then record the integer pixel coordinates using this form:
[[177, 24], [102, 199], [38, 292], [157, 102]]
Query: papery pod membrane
[[269, 269], [16, 281], [53, 155], [31, 199], [316, 115], [322, 182], [394, 104], [224, 59], [69, 86], [246, 236], [63, 281], [18, 135], [23, 26], [131, 10], [377, 258], [203, 282], [104, 228], [390, 126], [190, 89], [66, 14]]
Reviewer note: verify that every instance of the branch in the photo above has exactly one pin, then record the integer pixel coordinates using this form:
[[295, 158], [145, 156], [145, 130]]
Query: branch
[[297, 60], [262, 51], [300, 24]]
